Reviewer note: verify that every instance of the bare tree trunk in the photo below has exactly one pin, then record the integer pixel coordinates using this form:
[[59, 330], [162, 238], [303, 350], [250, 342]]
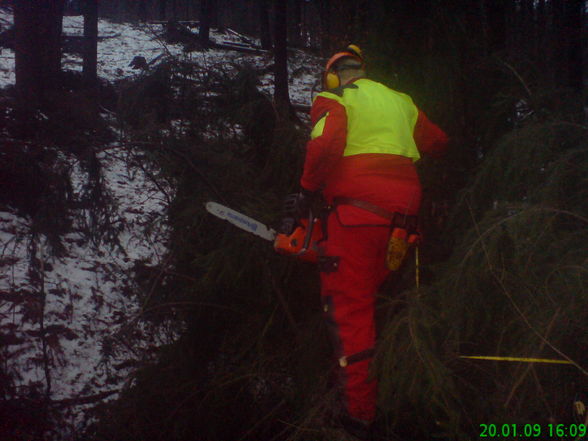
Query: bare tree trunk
[[559, 40], [27, 60], [38, 25], [162, 9], [281, 95], [214, 14], [37, 277], [496, 25], [265, 37], [529, 28], [90, 41], [325, 18], [73, 8], [205, 17], [346, 23], [120, 7], [360, 25], [296, 18], [55, 25], [541, 30], [574, 21], [142, 10]]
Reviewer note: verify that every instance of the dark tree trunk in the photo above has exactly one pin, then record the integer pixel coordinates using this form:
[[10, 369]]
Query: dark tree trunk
[[90, 41], [559, 38], [38, 25], [361, 29], [529, 29], [574, 19], [214, 15], [26, 57], [347, 24], [541, 30], [55, 26], [143, 10], [296, 18], [496, 30], [121, 10], [205, 18], [265, 37], [73, 8], [162, 9], [325, 19], [281, 95]]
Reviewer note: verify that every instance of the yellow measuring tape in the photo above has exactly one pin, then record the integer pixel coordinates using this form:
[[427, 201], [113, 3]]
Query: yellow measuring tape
[[416, 258], [520, 359]]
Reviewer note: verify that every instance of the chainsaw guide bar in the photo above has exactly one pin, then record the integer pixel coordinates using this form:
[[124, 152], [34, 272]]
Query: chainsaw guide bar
[[240, 220]]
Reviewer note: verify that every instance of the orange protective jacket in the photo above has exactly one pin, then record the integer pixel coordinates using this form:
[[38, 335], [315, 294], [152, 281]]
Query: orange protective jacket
[[365, 140]]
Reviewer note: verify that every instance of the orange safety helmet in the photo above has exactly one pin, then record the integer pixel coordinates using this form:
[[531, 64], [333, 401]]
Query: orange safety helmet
[[331, 78]]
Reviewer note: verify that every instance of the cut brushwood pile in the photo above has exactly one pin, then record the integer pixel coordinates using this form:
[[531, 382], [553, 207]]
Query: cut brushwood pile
[[180, 32]]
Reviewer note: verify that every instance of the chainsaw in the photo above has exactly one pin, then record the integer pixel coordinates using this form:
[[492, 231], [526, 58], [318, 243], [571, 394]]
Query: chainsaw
[[300, 243]]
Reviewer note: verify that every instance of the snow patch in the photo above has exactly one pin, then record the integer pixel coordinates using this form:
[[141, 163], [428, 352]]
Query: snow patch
[[86, 290], [88, 308]]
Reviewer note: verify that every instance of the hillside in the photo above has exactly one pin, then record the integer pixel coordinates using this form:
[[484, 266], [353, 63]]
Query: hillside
[[88, 274]]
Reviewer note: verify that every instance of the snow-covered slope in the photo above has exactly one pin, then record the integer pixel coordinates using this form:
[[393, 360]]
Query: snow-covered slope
[[123, 42], [87, 302]]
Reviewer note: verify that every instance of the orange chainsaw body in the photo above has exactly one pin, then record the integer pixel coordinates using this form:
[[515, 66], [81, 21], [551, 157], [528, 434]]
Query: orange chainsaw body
[[302, 243]]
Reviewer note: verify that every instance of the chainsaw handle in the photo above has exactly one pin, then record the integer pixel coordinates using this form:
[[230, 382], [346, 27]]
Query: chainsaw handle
[[301, 242], [287, 226]]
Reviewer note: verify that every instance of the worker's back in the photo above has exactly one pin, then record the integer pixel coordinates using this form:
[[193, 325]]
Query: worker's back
[[379, 120]]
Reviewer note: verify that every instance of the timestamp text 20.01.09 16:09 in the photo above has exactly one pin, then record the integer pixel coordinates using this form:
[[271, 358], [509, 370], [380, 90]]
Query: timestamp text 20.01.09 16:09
[[532, 431]]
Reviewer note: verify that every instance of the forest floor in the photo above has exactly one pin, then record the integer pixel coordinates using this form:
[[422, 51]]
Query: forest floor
[[116, 283]]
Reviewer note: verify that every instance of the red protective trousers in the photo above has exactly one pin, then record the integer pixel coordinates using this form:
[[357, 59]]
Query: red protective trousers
[[359, 239], [348, 297]]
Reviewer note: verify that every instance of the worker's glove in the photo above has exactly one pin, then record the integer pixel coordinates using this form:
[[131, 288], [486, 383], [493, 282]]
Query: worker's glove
[[296, 206]]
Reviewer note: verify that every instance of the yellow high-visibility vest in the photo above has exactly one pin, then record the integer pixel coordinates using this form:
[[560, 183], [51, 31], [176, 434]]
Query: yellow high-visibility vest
[[379, 119]]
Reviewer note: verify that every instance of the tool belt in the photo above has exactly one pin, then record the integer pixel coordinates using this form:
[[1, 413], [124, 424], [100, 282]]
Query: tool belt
[[403, 229], [409, 223]]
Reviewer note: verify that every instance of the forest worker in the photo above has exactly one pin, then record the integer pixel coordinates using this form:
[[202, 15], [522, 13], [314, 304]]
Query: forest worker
[[364, 142]]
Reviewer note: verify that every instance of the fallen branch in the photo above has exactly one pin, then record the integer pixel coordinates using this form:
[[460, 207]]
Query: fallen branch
[[82, 38], [78, 401], [240, 36], [235, 47], [245, 45], [164, 22]]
